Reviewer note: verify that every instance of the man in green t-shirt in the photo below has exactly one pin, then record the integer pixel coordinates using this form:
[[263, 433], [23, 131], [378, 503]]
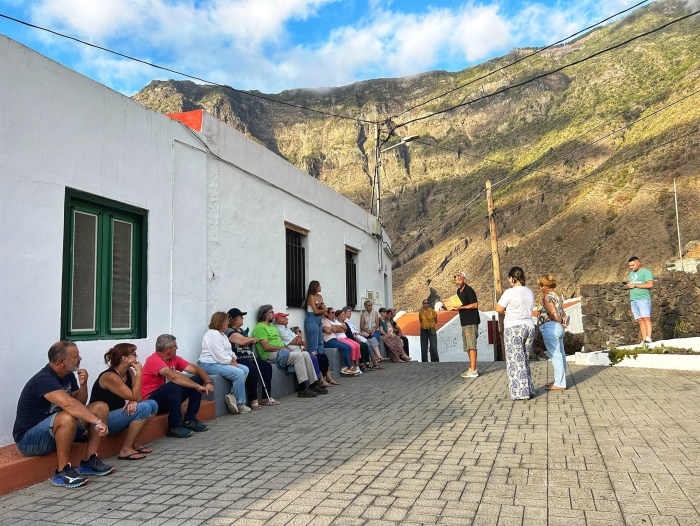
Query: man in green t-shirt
[[269, 343], [640, 283]]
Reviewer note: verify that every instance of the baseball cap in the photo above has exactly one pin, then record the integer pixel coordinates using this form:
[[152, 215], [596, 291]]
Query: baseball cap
[[234, 313], [279, 315]]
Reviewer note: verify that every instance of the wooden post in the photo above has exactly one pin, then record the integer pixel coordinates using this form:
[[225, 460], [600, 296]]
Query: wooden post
[[498, 287]]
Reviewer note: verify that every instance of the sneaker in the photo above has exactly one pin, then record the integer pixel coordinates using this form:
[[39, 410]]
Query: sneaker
[[648, 339], [357, 370], [94, 466], [195, 426], [242, 408], [470, 374], [347, 371], [68, 477], [178, 432], [231, 403], [306, 393]]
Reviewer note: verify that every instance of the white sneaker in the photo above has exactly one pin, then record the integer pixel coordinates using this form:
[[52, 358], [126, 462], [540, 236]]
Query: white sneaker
[[470, 374], [357, 370], [242, 408], [648, 339], [231, 403]]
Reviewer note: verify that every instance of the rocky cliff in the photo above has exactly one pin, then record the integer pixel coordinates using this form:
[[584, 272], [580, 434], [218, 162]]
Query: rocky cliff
[[566, 203]]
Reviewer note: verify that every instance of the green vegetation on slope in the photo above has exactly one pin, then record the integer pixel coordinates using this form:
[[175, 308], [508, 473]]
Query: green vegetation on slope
[[576, 212]]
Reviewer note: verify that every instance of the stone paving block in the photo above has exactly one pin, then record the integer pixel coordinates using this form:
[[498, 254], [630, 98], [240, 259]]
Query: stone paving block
[[618, 445]]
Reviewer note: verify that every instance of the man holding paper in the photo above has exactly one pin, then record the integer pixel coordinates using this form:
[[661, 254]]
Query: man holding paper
[[469, 319]]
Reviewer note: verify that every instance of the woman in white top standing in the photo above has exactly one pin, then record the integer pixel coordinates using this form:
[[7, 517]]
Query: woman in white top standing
[[517, 303], [217, 357]]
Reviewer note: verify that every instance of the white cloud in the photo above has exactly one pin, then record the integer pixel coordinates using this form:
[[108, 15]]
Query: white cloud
[[246, 43]]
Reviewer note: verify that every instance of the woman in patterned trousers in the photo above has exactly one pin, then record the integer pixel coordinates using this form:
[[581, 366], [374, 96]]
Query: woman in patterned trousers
[[519, 334]]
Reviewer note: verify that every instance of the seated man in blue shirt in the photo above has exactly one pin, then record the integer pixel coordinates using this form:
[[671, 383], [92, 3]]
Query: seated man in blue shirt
[[51, 414]]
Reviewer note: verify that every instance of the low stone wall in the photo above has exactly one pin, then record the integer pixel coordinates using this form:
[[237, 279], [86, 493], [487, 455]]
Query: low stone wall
[[608, 320]]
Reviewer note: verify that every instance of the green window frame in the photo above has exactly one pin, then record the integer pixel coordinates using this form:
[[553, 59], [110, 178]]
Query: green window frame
[[104, 269]]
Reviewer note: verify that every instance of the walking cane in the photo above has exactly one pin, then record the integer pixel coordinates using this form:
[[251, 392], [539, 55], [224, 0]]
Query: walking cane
[[255, 359]]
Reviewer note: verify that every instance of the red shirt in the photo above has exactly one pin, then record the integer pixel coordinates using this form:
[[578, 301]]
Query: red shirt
[[154, 363]]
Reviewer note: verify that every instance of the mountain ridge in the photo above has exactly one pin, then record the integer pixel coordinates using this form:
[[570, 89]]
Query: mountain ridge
[[562, 206]]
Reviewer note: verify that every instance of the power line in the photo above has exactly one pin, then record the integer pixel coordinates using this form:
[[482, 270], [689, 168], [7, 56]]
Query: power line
[[225, 86], [585, 132], [542, 75], [541, 50], [656, 112]]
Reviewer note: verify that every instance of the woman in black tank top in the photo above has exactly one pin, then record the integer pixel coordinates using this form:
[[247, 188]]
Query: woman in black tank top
[[120, 388]]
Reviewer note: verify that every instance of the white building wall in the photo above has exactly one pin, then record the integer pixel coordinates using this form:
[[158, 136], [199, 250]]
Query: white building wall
[[450, 347], [215, 233]]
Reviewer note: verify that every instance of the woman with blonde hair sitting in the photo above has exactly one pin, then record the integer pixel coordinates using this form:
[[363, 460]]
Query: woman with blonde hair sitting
[[217, 357], [551, 320]]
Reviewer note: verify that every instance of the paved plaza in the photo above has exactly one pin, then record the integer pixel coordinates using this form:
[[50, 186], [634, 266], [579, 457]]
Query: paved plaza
[[416, 444]]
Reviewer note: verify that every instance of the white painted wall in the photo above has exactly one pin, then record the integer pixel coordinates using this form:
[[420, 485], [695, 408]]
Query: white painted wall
[[215, 232], [450, 347]]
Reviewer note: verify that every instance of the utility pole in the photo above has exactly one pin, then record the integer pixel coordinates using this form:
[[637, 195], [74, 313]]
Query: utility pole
[[377, 161], [678, 224], [496, 262]]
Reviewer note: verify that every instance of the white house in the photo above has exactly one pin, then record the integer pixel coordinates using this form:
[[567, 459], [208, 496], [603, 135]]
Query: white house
[[119, 224]]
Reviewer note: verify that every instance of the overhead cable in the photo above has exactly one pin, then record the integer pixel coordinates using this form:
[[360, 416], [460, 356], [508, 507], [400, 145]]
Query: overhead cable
[[568, 154], [151, 64], [551, 72], [511, 64]]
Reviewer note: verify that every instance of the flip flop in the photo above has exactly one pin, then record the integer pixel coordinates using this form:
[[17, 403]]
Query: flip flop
[[144, 449], [555, 388], [549, 384], [255, 405], [333, 382], [270, 401], [133, 456]]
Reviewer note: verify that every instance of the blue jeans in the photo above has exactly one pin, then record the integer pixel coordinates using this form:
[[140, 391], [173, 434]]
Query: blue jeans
[[118, 420], [314, 334], [553, 336], [40, 440], [345, 349], [169, 398], [237, 375]]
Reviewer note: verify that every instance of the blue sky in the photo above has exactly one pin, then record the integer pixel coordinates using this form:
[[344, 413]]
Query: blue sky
[[272, 45]]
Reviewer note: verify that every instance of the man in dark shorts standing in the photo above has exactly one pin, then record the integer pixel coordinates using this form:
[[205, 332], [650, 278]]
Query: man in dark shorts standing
[[469, 319]]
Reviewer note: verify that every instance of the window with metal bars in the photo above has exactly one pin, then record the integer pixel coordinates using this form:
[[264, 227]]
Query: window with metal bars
[[296, 273], [350, 279], [104, 269]]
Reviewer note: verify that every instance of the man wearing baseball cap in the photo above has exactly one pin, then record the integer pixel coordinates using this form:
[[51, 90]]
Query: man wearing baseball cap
[[469, 319], [270, 343], [296, 344]]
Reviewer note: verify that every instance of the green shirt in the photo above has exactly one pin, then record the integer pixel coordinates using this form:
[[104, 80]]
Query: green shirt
[[263, 331], [640, 277]]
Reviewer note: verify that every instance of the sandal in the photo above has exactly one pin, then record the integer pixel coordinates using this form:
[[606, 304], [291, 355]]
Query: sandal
[[255, 405], [133, 456], [144, 449], [269, 401], [378, 367], [555, 388], [333, 382], [549, 384]]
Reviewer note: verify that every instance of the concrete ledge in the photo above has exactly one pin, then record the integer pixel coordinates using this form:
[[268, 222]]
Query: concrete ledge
[[18, 471], [678, 362]]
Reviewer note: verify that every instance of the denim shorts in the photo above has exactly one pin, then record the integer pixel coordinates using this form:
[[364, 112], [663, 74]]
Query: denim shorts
[[40, 440], [641, 309], [118, 420]]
